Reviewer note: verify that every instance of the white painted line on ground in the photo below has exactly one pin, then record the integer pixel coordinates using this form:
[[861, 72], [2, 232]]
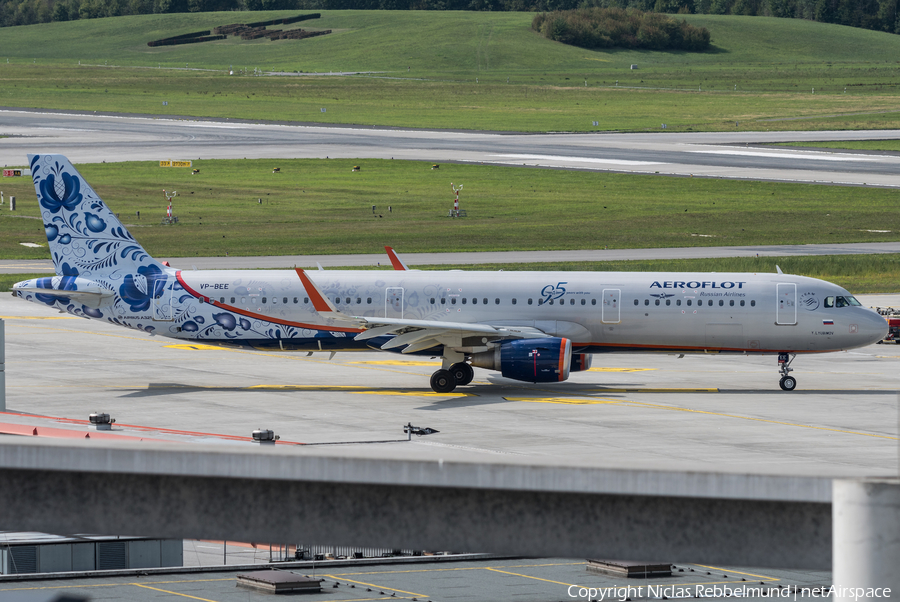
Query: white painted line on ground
[[816, 156], [578, 159]]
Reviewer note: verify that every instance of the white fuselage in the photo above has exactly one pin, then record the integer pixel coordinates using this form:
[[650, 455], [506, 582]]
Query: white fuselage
[[598, 311]]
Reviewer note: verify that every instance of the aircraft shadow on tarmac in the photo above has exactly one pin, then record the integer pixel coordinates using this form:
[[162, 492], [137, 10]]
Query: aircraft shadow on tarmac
[[499, 391]]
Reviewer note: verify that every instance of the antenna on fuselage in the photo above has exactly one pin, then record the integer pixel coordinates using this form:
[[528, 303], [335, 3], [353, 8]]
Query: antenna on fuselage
[[778, 269]]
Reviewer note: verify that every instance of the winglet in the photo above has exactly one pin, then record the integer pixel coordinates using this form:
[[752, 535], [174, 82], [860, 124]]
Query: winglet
[[395, 260], [320, 302]]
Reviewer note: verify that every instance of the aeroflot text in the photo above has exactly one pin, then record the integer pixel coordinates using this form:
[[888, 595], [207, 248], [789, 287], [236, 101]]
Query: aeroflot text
[[714, 591], [695, 284]]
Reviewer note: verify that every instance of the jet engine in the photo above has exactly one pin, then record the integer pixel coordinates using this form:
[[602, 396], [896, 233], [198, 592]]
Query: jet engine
[[529, 360], [580, 362]]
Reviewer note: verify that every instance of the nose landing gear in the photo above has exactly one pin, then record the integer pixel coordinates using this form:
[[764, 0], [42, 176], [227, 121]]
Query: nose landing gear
[[787, 382]]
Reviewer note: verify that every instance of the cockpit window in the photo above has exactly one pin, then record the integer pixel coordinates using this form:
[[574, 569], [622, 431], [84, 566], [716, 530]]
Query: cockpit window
[[841, 301]]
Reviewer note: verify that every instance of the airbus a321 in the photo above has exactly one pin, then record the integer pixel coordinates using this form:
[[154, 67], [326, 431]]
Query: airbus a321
[[529, 326]]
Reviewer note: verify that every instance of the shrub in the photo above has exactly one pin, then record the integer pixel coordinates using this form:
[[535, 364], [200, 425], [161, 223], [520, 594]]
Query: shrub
[[620, 28]]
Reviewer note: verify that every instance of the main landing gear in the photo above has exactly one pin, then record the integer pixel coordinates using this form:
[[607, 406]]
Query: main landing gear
[[787, 382], [458, 373]]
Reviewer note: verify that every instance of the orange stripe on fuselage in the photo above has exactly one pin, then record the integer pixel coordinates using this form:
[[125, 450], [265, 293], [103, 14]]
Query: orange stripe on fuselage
[[258, 316]]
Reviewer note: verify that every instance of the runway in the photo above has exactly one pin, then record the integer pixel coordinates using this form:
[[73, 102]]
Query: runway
[[95, 138]]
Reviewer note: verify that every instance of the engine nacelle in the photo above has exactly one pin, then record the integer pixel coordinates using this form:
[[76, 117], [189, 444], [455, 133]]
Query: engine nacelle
[[529, 360], [580, 362]]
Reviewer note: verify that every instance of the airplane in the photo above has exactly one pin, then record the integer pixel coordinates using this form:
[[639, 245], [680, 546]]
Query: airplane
[[529, 326]]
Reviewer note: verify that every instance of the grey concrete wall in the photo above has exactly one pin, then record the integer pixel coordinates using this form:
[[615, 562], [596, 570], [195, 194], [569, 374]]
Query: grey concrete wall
[[533, 523]]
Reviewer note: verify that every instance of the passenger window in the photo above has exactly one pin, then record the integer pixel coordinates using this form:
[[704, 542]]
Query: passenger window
[[646, 301], [296, 299], [253, 300], [572, 301], [443, 301], [453, 301], [359, 301], [464, 300], [721, 303], [497, 301], [474, 300], [668, 302], [264, 300], [485, 300], [232, 300], [369, 300], [752, 303], [284, 300], [243, 300], [347, 300], [635, 301], [529, 302], [513, 301], [678, 302], [731, 303], [583, 301], [305, 300], [689, 302], [222, 300], [593, 302], [742, 303], [657, 302], [432, 300]]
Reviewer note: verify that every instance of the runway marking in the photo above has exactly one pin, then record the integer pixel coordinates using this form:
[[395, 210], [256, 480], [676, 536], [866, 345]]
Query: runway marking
[[563, 400], [715, 568], [657, 390], [422, 393], [535, 578], [39, 318], [165, 591], [821, 156], [620, 369], [379, 586], [197, 347], [579, 159]]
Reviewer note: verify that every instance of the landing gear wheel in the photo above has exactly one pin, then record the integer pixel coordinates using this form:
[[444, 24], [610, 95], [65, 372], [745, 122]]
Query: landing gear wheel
[[463, 373], [443, 381], [788, 383]]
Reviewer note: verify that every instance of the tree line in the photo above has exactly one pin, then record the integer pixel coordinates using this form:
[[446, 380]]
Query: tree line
[[881, 15]]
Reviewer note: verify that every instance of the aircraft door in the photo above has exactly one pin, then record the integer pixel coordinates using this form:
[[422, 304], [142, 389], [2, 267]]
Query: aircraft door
[[393, 302], [610, 311], [787, 304], [162, 305]]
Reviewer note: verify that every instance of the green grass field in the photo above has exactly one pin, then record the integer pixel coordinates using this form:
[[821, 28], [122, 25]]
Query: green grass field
[[320, 206], [461, 70]]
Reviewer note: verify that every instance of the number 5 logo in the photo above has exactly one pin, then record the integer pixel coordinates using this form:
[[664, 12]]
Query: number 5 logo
[[550, 292]]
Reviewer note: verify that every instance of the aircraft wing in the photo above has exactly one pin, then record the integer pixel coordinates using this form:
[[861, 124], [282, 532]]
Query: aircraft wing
[[423, 334], [415, 334]]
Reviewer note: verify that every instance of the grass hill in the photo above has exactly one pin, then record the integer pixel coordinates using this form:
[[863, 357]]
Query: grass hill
[[475, 70]]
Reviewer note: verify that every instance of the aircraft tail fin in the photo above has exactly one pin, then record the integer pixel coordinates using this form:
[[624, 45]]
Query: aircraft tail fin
[[85, 237]]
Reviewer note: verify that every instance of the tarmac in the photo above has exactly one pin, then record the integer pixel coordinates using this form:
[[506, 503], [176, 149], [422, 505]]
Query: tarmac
[[703, 413]]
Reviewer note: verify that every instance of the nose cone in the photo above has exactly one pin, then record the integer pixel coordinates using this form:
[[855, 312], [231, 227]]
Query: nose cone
[[872, 327]]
